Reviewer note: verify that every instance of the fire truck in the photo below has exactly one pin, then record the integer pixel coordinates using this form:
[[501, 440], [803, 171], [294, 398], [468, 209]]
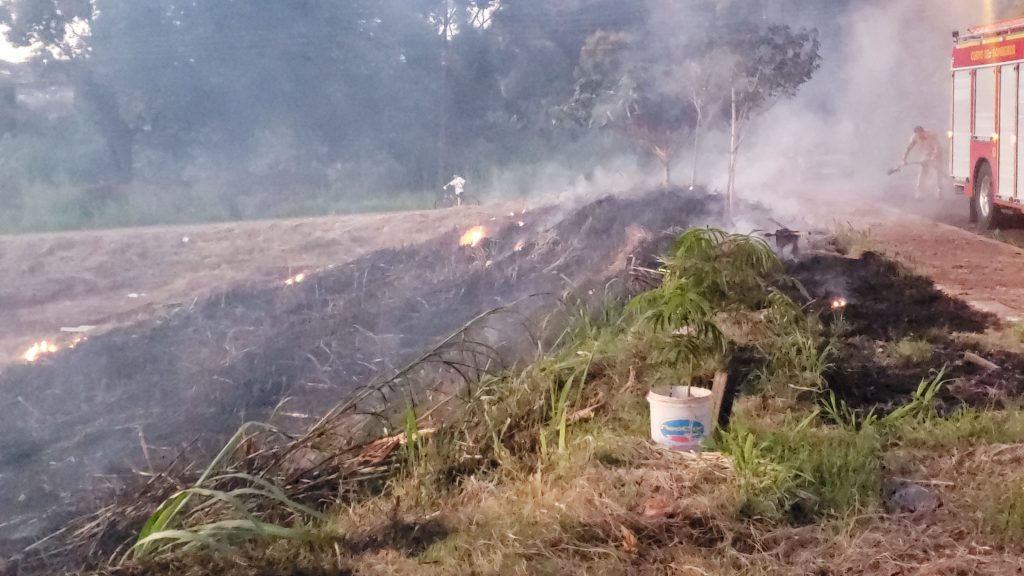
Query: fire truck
[[987, 119]]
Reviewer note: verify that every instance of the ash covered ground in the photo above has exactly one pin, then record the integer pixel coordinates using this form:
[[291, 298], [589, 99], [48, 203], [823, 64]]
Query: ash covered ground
[[90, 422]]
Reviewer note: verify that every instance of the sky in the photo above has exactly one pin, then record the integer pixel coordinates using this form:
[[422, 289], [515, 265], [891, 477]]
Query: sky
[[11, 53]]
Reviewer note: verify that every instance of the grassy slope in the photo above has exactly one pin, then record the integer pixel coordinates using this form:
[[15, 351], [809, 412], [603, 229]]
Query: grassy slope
[[526, 480]]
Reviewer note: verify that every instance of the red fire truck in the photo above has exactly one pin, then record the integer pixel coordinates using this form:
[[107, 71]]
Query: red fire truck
[[986, 162]]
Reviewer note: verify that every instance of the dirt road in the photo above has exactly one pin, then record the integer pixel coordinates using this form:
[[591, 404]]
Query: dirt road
[[112, 277]]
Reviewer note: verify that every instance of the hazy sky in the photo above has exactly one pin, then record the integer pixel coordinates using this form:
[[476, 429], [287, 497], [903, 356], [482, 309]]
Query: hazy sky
[[12, 53]]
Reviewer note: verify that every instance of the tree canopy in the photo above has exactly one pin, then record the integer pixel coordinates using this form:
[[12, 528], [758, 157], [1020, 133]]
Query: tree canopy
[[284, 99]]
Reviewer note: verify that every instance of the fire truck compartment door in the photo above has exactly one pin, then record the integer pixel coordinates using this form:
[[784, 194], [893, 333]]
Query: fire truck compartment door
[[1020, 149], [960, 147], [985, 104], [1007, 132]]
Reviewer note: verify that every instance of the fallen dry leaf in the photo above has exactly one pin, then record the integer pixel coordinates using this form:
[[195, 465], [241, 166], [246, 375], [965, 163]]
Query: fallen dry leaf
[[628, 541], [659, 507]]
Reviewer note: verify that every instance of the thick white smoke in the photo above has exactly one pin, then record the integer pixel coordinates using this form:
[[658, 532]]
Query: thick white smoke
[[886, 68]]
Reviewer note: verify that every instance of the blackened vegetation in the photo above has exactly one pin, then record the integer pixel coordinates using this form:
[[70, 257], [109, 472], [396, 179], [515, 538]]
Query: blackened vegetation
[[886, 300], [87, 419], [888, 303]]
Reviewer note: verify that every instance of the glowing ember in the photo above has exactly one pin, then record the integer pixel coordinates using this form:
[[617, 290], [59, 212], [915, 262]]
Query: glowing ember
[[473, 236], [519, 246], [839, 303], [297, 279], [38, 349]]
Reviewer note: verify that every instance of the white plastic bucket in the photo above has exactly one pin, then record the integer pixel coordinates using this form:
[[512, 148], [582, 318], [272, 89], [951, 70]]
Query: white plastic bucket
[[680, 420]]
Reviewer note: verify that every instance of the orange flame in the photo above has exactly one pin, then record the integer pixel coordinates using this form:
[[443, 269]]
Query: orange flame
[[297, 279], [473, 236], [39, 349], [839, 303]]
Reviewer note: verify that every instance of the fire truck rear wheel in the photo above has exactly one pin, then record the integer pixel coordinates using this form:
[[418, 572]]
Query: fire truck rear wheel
[[984, 199]]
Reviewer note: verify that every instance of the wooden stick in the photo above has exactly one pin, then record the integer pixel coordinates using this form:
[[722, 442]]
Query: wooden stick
[[979, 361], [718, 394], [145, 452]]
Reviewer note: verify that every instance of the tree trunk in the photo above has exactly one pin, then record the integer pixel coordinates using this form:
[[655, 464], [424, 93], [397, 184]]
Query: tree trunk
[[666, 180], [733, 150], [696, 154], [442, 137], [118, 135]]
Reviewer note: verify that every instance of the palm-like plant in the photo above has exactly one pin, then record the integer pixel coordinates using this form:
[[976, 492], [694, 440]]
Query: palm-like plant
[[707, 270], [726, 269]]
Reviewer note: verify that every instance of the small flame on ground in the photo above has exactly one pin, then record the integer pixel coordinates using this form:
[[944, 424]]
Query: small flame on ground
[[473, 236], [519, 246], [839, 303], [39, 349], [297, 279]]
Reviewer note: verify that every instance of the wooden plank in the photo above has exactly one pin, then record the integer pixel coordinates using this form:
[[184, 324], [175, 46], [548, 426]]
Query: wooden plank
[[718, 394]]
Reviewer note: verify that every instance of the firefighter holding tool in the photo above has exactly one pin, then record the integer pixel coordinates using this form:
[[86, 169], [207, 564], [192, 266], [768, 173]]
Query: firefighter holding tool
[[931, 171]]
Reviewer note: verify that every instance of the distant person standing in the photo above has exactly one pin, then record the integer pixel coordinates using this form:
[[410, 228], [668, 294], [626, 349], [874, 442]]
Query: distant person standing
[[932, 169], [457, 186]]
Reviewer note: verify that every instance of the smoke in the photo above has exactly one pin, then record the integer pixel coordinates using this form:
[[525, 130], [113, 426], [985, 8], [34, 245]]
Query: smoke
[[885, 69]]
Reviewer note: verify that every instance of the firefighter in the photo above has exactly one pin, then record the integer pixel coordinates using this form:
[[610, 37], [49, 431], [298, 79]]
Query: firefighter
[[930, 148]]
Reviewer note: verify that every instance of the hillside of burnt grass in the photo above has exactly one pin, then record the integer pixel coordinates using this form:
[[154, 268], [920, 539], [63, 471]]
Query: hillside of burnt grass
[[548, 467], [95, 421]]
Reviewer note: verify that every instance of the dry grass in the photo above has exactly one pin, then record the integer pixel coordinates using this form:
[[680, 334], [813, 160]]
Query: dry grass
[[548, 471], [1008, 336], [851, 240], [906, 352]]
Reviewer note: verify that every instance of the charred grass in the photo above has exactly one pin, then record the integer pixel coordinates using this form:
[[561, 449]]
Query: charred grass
[[546, 468]]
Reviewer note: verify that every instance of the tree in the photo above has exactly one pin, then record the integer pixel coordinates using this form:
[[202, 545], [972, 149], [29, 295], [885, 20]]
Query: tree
[[218, 74], [620, 84], [670, 79], [770, 63]]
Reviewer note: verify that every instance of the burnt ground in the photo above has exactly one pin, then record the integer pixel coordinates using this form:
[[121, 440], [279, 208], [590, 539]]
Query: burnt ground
[[889, 303], [79, 426]]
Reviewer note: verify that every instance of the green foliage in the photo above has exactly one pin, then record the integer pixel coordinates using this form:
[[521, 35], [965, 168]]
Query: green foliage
[[840, 413], [766, 488], [413, 447], [706, 272], [659, 86], [963, 429], [729, 270], [921, 407], [775, 61], [801, 470], [804, 468], [796, 360], [164, 531], [797, 355]]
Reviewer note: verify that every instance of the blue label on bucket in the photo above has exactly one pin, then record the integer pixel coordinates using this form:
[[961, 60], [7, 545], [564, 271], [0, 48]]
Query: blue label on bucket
[[682, 431]]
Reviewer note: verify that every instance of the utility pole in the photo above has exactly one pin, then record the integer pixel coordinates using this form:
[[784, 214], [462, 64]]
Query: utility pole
[[442, 137]]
